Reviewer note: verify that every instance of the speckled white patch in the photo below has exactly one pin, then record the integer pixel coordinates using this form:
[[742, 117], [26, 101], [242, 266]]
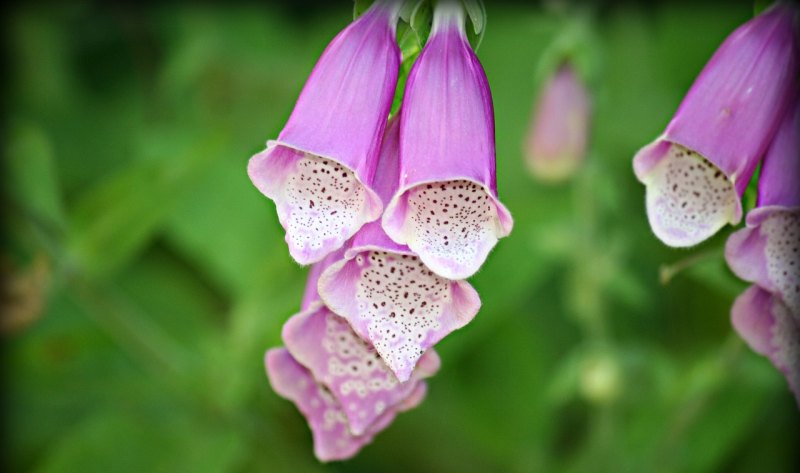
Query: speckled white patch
[[453, 225], [326, 203], [782, 231], [688, 198], [354, 360], [402, 301]]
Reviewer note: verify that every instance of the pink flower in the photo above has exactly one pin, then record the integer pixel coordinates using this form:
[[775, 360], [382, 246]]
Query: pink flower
[[556, 143], [696, 171], [390, 297], [446, 208], [320, 169]]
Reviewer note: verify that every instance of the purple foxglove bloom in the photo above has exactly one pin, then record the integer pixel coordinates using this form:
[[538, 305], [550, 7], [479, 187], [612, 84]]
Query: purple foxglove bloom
[[767, 251], [446, 208], [556, 143], [320, 169], [389, 297], [764, 322], [696, 171], [332, 437], [348, 366]]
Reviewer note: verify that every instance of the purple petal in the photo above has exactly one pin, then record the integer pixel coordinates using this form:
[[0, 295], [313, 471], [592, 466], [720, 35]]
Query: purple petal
[[725, 123], [320, 169], [767, 253], [447, 144], [328, 423], [338, 359], [393, 300], [556, 142], [779, 179], [766, 325]]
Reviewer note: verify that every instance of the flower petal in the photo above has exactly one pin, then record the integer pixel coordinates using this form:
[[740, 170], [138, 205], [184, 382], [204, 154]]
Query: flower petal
[[328, 423], [393, 300], [765, 324], [356, 376], [767, 253], [688, 198]]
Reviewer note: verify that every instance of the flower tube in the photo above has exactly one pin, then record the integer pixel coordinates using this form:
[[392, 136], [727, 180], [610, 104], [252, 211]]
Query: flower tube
[[332, 437], [320, 169], [767, 251], [446, 208], [764, 322], [389, 297], [697, 170], [556, 143]]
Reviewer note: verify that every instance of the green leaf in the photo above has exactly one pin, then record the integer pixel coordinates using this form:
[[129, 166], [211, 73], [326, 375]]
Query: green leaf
[[360, 6], [476, 11], [31, 177], [117, 217]]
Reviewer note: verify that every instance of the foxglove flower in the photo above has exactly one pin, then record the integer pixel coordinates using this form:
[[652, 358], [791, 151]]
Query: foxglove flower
[[764, 322], [767, 251], [390, 297], [326, 418], [698, 169], [319, 170], [556, 143], [348, 366], [446, 209]]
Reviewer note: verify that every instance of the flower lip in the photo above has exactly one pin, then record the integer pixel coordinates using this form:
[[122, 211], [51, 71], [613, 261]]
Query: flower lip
[[688, 199]]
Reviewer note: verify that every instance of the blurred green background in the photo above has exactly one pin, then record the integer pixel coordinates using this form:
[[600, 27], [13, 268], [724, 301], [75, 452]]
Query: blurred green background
[[145, 276]]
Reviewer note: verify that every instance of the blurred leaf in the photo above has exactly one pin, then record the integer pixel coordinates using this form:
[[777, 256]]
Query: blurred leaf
[[31, 177], [113, 220]]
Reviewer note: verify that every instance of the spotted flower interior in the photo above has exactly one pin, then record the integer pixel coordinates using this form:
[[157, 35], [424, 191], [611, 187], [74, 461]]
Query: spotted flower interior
[[688, 198], [452, 226], [321, 203], [393, 300], [349, 366]]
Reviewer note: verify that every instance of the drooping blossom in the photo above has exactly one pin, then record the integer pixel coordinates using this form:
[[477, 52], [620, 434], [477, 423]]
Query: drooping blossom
[[446, 208], [389, 296], [697, 170], [556, 142], [320, 169], [767, 250], [326, 418], [347, 365], [765, 323]]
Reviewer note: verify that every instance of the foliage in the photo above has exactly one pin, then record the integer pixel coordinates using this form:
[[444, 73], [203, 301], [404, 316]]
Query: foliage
[[160, 275]]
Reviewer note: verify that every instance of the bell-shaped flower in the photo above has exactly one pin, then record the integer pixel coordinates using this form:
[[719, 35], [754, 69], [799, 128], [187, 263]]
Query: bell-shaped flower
[[767, 250], [446, 208], [320, 169], [347, 365], [555, 146], [324, 414], [697, 170], [764, 322], [386, 293]]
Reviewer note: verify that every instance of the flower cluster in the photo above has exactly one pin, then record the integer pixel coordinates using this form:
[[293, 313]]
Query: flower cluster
[[381, 291], [742, 111]]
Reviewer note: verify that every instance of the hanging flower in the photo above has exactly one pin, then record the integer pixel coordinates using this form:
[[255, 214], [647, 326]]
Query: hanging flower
[[320, 169], [388, 295], [556, 143], [333, 439], [765, 323], [767, 251], [698, 169], [446, 208]]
